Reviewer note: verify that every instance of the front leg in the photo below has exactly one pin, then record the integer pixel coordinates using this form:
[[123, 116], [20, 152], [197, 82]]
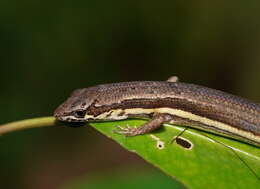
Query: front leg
[[156, 121]]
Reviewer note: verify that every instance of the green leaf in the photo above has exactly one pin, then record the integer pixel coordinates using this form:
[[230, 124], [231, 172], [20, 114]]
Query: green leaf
[[209, 164]]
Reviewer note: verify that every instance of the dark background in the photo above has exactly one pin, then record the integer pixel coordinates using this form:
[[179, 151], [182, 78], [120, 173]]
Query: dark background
[[49, 48]]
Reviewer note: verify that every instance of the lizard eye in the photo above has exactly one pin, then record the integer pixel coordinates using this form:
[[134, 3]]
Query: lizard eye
[[79, 113]]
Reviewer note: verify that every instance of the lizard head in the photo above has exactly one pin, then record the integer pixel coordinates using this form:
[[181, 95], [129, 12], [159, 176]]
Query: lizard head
[[75, 107]]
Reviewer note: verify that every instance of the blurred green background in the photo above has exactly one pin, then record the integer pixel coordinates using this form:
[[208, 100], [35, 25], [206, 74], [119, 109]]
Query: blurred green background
[[49, 48]]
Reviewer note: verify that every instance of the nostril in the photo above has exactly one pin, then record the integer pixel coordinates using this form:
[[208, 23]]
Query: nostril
[[58, 112]]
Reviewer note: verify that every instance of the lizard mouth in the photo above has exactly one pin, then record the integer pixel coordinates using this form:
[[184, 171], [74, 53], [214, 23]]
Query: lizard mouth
[[71, 121], [69, 118]]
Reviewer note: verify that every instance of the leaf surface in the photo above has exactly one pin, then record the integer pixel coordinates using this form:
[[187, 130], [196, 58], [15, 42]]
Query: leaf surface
[[208, 164]]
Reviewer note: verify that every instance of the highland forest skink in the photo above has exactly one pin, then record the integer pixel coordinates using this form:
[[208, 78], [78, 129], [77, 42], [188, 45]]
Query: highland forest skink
[[165, 102]]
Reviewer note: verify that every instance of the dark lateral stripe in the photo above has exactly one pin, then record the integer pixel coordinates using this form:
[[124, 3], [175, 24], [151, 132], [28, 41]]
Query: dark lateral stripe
[[199, 109], [214, 129]]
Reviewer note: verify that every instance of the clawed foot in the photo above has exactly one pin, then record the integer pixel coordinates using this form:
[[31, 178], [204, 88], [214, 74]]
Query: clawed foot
[[127, 131]]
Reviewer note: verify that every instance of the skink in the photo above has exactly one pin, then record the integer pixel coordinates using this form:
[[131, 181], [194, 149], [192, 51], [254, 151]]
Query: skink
[[165, 102]]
